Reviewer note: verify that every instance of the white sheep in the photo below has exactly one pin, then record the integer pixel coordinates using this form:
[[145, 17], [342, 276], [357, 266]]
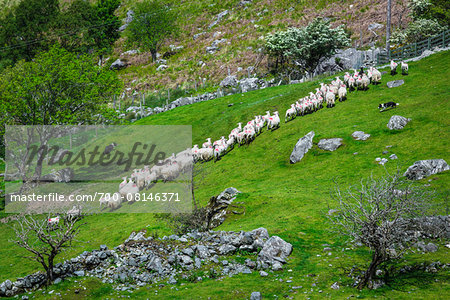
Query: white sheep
[[330, 97], [290, 113], [342, 93], [404, 68], [274, 121], [376, 75], [365, 82], [115, 201], [53, 221], [393, 66], [207, 144]]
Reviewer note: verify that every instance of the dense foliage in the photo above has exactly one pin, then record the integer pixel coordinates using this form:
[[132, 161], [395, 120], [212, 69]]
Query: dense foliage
[[57, 87], [153, 22], [305, 48], [429, 17], [31, 26]]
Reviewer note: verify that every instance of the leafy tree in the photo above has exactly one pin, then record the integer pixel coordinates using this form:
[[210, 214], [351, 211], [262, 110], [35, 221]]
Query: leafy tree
[[153, 22], [83, 27], [305, 48], [57, 87], [32, 20], [379, 213]]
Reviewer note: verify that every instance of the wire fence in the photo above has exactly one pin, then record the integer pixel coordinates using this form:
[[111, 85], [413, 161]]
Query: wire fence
[[415, 49]]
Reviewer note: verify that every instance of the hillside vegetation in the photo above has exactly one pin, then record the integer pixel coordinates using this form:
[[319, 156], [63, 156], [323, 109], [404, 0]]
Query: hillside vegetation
[[244, 27], [292, 200]]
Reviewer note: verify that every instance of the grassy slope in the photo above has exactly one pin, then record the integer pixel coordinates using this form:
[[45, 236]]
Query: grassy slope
[[290, 200]]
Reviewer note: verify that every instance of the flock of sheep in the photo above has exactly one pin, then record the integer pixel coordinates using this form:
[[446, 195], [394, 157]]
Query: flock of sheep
[[170, 168]]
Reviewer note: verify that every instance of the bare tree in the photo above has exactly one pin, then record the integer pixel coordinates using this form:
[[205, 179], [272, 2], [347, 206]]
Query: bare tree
[[379, 213], [45, 239]]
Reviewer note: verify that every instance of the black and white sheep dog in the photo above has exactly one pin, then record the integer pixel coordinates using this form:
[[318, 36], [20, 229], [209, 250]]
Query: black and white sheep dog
[[109, 148], [387, 105]]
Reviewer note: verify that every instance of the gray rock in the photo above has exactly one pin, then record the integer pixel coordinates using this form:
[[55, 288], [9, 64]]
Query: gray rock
[[263, 273], [79, 273], [375, 26], [302, 147], [431, 247], [8, 284], [395, 83], [229, 81], [397, 122], [423, 168], [103, 247], [117, 65], [218, 18], [57, 280], [186, 260], [260, 236], [255, 296], [360, 135], [130, 52], [227, 249], [335, 286], [277, 266], [330, 144], [63, 175], [202, 252], [248, 84], [212, 49], [275, 250], [161, 67], [393, 156]]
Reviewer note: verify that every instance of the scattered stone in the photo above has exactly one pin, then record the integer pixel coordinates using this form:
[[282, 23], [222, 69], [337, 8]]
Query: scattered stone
[[218, 18], [161, 67], [255, 296], [275, 250], [330, 144], [79, 273], [385, 152], [263, 273], [424, 168], [57, 280], [397, 122], [393, 156], [395, 83], [335, 286], [302, 147], [117, 65], [360, 135]]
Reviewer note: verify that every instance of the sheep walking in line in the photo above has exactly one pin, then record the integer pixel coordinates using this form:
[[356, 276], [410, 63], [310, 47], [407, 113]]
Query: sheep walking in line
[[342, 93], [404, 68], [330, 97], [274, 121], [115, 201], [290, 113], [53, 222], [393, 66], [207, 143], [376, 75]]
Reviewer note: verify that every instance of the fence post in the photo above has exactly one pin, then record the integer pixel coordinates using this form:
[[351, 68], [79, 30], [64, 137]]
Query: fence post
[[443, 39], [429, 43], [415, 49]]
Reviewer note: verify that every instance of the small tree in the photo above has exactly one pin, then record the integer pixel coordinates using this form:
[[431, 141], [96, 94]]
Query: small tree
[[379, 214], [46, 241], [308, 46], [153, 22]]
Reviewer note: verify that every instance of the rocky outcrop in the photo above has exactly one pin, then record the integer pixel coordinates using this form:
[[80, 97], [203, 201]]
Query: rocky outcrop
[[423, 168], [63, 175], [330, 144], [141, 260], [397, 122], [229, 81], [302, 147]]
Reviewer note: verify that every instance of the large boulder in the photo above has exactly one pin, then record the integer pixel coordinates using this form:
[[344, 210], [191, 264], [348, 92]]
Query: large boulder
[[117, 65], [423, 168], [330, 144], [360, 135], [302, 147], [275, 250], [229, 81], [397, 122]]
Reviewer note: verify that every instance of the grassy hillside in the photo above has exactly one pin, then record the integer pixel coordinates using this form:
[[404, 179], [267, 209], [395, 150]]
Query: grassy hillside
[[291, 200], [244, 27]]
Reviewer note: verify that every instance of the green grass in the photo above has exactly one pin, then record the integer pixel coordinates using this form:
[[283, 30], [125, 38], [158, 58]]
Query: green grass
[[291, 200]]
